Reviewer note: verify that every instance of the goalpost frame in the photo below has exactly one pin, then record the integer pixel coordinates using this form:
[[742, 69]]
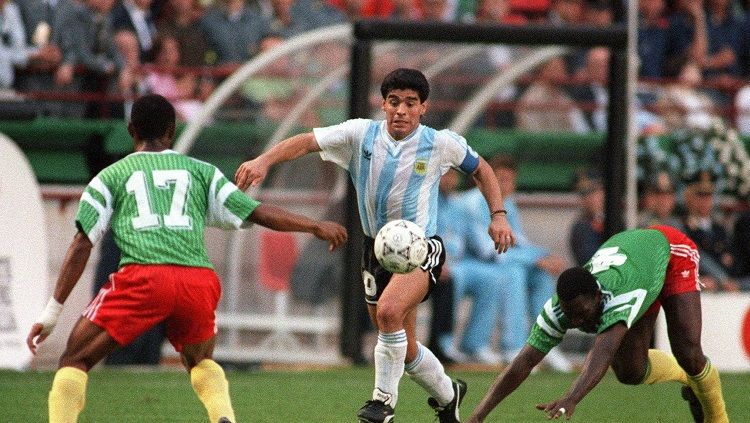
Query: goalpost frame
[[615, 38]]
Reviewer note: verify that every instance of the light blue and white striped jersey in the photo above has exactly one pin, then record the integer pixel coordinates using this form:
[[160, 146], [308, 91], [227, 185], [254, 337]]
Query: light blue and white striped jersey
[[395, 179]]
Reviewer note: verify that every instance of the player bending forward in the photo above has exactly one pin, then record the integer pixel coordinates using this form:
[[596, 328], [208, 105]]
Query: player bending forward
[[158, 203], [617, 295]]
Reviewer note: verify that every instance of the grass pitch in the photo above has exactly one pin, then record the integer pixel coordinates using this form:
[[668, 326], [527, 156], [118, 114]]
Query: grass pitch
[[322, 396]]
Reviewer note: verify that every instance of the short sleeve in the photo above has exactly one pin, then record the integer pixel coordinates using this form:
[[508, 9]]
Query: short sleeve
[[95, 209], [549, 327], [338, 143], [228, 207], [457, 151]]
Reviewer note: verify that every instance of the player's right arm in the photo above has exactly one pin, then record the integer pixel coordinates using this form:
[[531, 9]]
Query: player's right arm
[[278, 219], [73, 265], [252, 172], [507, 382]]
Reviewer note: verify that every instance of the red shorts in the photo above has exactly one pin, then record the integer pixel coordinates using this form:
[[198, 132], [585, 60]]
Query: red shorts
[[137, 297], [682, 269]]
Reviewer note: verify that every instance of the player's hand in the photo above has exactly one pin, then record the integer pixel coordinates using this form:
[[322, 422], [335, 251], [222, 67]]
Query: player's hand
[[557, 409], [332, 232], [37, 335], [501, 233], [252, 172]]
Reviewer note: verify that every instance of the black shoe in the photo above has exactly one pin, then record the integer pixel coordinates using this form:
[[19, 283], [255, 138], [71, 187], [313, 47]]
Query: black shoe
[[375, 411], [224, 420], [449, 412], [696, 409]]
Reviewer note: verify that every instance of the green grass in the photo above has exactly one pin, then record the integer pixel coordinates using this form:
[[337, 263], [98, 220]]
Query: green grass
[[335, 396]]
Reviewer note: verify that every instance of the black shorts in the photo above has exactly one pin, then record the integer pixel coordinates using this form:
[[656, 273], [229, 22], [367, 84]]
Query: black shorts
[[376, 278]]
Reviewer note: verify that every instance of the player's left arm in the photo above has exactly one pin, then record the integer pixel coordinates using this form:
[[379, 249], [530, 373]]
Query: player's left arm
[[73, 265], [595, 367], [499, 228]]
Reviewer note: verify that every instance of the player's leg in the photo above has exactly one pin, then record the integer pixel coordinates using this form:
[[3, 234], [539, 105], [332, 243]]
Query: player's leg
[[208, 379], [631, 359], [396, 306], [683, 313], [87, 345], [190, 329]]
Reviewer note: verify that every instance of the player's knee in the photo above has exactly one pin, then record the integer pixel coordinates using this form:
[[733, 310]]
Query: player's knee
[[389, 317], [628, 375], [691, 360]]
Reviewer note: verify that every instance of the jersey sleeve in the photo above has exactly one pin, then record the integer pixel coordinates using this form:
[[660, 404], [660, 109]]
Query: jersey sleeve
[[338, 143], [458, 152], [95, 209], [549, 328], [228, 207]]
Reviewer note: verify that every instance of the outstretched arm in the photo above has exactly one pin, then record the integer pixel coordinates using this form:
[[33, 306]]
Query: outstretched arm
[[253, 172], [72, 268], [499, 228], [278, 219], [507, 382], [595, 367]]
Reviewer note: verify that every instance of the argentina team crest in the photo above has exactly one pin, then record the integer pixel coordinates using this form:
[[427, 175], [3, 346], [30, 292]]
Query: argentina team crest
[[420, 167]]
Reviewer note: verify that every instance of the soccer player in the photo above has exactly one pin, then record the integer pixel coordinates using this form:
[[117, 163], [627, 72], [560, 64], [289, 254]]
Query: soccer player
[[617, 295], [158, 203], [395, 166]]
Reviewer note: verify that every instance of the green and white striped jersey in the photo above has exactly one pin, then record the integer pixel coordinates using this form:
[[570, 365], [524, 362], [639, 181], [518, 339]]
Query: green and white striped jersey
[[158, 204], [630, 269]]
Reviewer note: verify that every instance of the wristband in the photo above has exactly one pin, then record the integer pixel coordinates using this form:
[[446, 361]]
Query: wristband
[[499, 211], [48, 317]]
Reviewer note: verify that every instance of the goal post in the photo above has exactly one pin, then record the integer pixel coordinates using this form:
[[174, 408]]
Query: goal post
[[366, 32]]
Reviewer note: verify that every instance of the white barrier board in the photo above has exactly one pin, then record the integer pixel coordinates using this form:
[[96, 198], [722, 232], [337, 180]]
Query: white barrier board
[[726, 330], [23, 254]]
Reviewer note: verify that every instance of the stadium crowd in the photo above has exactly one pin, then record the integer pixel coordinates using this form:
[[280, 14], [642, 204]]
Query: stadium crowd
[[95, 54]]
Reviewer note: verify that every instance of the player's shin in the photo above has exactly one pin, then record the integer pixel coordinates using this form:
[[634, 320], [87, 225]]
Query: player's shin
[[663, 367], [427, 371], [68, 395], [707, 387], [390, 352], [212, 388]]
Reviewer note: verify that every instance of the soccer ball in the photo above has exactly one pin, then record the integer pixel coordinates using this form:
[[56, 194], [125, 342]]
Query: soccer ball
[[400, 246]]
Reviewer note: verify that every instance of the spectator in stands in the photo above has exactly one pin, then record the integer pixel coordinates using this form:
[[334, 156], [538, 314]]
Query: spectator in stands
[[681, 102], [526, 273], [180, 20], [234, 31], [162, 78], [498, 11], [725, 42], [658, 202], [44, 23], [545, 106], [531, 10], [653, 38], [566, 12], [293, 17], [587, 232], [687, 37], [598, 13], [88, 42], [711, 237], [135, 16], [15, 52], [436, 10]]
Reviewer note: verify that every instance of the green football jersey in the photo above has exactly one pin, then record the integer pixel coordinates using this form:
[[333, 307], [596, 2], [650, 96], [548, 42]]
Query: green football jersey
[[629, 268], [158, 205]]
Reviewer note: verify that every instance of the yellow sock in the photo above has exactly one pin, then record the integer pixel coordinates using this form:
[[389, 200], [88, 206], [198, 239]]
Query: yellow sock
[[211, 386], [707, 387], [663, 367], [68, 395]]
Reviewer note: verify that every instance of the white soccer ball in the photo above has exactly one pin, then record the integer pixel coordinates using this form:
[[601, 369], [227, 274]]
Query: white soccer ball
[[400, 246]]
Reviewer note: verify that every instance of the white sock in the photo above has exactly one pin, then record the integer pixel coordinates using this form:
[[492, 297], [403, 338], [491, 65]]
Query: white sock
[[390, 353], [429, 373]]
